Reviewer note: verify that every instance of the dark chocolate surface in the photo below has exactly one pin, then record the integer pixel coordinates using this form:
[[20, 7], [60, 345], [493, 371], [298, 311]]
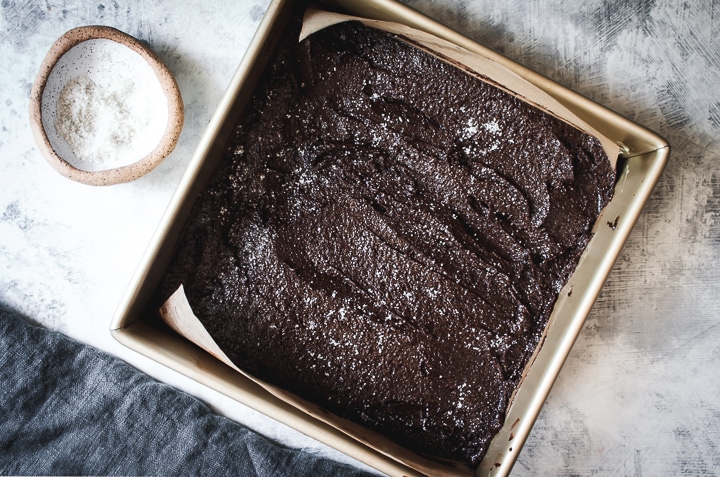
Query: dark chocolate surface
[[388, 235]]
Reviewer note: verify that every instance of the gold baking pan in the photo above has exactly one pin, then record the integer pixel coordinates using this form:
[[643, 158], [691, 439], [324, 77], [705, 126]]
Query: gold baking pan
[[642, 159]]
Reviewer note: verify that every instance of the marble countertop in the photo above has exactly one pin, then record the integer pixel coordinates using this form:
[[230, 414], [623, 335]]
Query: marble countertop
[[639, 393]]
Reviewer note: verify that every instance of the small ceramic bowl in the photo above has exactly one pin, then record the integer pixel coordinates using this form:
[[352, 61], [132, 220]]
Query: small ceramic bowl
[[104, 109]]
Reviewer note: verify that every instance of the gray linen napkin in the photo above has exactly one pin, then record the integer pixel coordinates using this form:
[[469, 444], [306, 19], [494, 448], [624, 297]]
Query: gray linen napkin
[[68, 409]]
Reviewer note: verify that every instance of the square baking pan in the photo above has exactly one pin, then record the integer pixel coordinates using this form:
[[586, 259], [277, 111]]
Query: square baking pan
[[643, 155]]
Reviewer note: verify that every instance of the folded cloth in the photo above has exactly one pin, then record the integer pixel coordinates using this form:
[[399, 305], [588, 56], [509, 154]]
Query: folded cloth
[[69, 409]]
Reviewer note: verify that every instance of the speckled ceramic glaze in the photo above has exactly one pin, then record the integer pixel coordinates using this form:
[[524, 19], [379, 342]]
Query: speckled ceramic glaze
[[104, 52]]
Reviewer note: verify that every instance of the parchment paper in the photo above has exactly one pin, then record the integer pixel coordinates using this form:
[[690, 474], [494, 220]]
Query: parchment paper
[[178, 314]]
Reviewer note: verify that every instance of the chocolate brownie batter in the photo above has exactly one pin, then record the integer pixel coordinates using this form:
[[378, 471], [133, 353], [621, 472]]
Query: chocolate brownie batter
[[387, 237]]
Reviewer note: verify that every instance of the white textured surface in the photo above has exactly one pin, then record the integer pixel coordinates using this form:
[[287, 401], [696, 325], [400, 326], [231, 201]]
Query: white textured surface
[[639, 394]]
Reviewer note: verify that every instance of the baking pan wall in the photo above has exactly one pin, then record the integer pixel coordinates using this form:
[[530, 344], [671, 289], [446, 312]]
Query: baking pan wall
[[643, 157]]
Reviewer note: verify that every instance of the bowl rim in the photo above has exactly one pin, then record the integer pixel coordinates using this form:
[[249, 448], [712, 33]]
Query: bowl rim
[[168, 84]]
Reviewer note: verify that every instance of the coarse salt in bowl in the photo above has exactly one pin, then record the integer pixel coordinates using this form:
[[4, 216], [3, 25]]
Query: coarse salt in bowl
[[104, 109]]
